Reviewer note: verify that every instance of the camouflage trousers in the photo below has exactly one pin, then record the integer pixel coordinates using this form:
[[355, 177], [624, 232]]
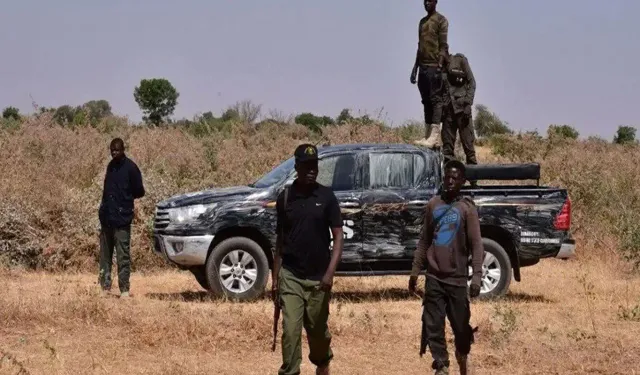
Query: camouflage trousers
[[432, 88], [118, 238], [452, 124], [303, 305]]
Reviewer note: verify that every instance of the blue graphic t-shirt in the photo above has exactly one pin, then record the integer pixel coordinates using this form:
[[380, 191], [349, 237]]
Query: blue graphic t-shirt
[[451, 232]]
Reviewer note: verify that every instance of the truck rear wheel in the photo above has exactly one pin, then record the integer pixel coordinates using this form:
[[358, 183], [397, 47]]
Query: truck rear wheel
[[496, 270], [238, 269]]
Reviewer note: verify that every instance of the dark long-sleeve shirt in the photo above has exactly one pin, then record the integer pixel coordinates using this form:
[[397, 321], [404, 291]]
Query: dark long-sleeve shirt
[[462, 83], [122, 185], [433, 31], [449, 234]]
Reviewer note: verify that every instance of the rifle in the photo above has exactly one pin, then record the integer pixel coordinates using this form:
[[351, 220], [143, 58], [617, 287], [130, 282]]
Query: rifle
[[276, 300], [276, 318]]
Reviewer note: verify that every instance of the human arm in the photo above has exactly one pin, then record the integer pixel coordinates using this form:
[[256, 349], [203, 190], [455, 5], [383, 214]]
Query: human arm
[[443, 41], [277, 256], [335, 223], [471, 82], [137, 186], [414, 70], [477, 250], [420, 254]]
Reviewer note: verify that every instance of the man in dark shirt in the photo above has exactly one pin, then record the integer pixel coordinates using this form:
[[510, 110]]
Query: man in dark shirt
[[460, 92], [433, 47], [307, 213], [122, 185], [450, 233]]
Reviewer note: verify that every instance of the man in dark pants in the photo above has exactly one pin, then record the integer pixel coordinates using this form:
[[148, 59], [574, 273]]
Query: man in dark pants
[[450, 233], [302, 284], [461, 89], [430, 59], [122, 185]]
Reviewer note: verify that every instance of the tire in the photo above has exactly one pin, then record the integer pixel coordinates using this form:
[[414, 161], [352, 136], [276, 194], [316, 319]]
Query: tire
[[242, 281], [496, 258], [201, 276]]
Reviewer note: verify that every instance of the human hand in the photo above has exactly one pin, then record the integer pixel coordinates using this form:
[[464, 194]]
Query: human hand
[[474, 290], [327, 283], [412, 284], [414, 73]]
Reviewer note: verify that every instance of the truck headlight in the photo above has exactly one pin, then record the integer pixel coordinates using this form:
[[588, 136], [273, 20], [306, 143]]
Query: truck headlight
[[182, 215]]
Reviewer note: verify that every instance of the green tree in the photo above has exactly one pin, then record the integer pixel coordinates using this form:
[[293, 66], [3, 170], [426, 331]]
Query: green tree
[[96, 110], [157, 98], [65, 114], [11, 112], [488, 123], [562, 131], [625, 135], [344, 116], [313, 122]]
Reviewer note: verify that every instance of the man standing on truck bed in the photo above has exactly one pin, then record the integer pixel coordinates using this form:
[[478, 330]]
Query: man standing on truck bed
[[430, 59], [302, 285], [122, 185], [460, 90], [450, 225]]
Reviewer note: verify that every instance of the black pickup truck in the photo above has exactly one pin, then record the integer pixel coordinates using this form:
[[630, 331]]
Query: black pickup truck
[[225, 236]]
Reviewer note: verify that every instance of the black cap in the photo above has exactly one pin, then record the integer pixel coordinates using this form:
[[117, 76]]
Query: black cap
[[306, 152], [457, 164]]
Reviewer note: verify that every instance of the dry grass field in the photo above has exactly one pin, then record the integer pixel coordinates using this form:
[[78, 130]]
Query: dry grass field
[[575, 317], [570, 317]]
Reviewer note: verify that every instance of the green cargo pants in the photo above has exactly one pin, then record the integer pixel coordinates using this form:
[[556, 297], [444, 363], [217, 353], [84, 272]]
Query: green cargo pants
[[303, 305], [120, 239]]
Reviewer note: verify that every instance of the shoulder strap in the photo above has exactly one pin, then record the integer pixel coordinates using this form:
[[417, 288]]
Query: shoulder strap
[[438, 224], [286, 197]]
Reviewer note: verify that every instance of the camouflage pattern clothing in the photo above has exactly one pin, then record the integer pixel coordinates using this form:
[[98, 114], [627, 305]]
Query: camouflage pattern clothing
[[432, 52], [460, 88], [433, 45]]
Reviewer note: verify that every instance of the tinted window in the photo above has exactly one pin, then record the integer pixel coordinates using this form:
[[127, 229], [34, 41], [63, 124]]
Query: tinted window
[[419, 168], [390, 170], [275, 175], [338, 172]]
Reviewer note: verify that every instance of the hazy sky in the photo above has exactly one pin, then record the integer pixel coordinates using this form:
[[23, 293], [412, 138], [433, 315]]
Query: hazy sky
[[535, 62]]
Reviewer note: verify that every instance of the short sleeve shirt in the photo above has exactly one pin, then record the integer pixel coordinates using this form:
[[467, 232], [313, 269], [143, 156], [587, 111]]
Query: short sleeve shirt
[[306, 224]]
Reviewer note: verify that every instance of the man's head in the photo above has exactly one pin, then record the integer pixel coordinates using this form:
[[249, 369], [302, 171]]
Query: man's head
[[430, 5], [454, 177], [306, 156], [117, 149]]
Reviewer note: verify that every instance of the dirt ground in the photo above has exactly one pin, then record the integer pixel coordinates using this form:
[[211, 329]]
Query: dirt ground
[[563, 318]]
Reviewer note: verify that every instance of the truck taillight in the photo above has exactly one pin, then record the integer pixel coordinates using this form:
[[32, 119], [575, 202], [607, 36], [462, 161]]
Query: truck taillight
[[563, 219]]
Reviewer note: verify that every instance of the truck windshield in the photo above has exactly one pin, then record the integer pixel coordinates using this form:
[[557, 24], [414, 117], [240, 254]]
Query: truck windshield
[[277, 174]]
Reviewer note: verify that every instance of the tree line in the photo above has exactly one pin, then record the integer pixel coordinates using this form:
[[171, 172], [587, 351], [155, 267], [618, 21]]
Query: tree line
[[158, 98]]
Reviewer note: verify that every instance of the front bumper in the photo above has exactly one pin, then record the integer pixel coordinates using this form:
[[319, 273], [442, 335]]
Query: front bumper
[[567, 249], [183, 250]]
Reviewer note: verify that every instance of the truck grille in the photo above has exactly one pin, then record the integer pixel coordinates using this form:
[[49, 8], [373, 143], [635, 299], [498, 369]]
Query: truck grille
[[161, 220]]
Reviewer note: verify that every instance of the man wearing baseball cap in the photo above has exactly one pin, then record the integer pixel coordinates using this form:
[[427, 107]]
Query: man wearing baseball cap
[[304, 263]]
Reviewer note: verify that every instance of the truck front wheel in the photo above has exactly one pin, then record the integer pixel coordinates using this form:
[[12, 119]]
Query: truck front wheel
[[496, 270], [238, 269]]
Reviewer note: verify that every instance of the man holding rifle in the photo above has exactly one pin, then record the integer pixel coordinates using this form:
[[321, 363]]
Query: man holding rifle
[[304, 265]]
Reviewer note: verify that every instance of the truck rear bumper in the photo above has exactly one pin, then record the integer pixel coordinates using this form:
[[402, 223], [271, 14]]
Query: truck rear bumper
[[567, 250], [184, 250]]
